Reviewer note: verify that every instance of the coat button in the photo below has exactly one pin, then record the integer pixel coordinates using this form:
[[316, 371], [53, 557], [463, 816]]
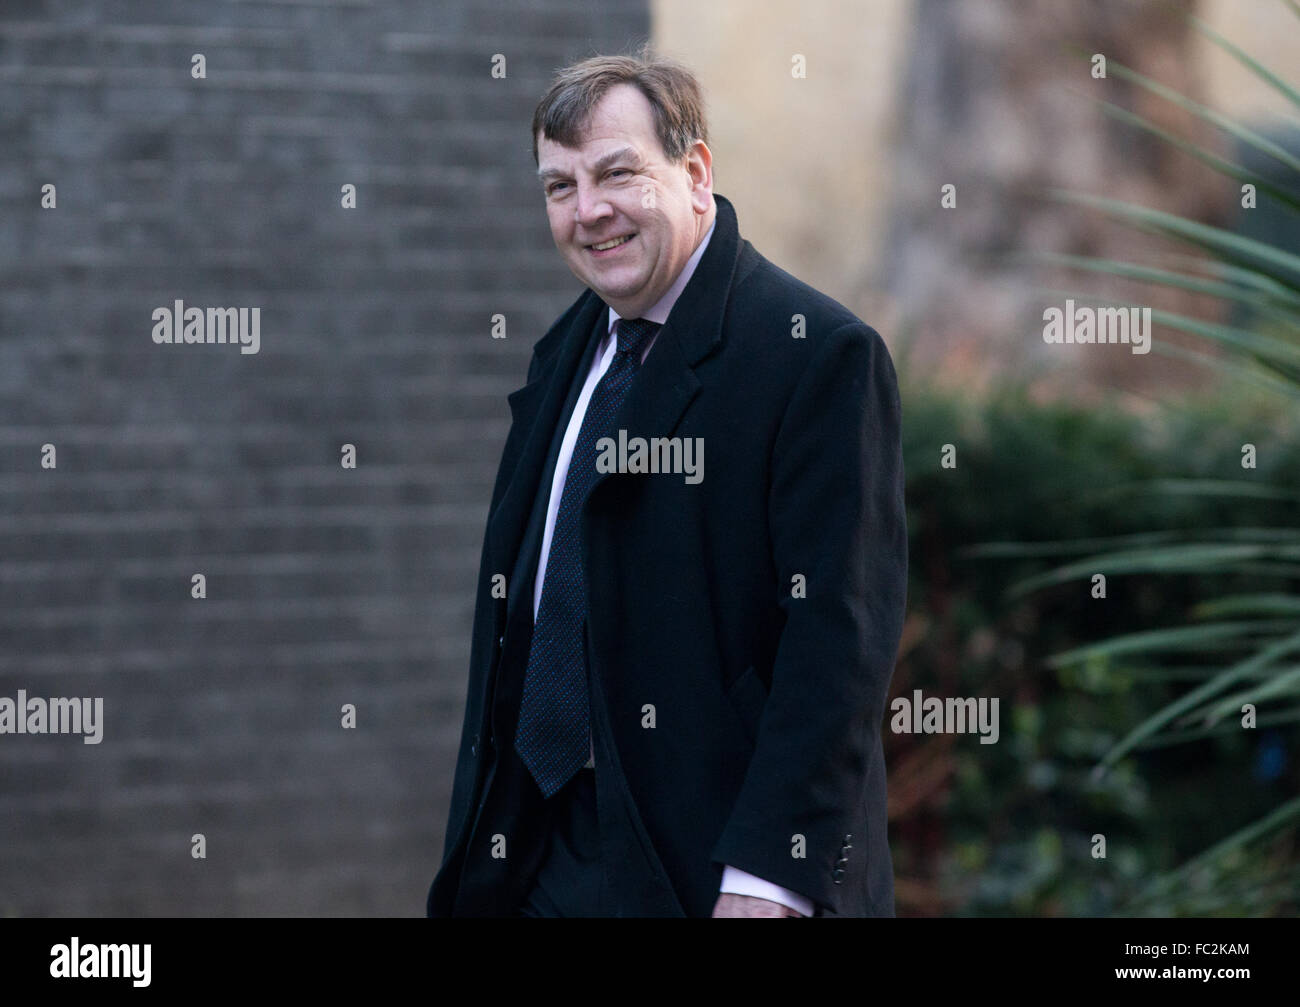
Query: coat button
[[473, 746], [837, 875], [501, 641]]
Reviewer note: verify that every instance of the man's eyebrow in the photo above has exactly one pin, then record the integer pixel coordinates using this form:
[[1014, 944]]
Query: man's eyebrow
[[546, 174]]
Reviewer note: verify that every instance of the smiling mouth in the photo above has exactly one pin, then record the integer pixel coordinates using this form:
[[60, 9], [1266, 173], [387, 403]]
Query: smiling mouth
[[605, 246]]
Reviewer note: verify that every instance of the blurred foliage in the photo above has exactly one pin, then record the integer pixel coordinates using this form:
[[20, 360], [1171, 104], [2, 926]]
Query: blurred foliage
[[1125, 715], [1236, 652], [1007, 828]]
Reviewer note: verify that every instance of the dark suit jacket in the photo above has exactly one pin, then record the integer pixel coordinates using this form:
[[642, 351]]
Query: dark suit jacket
[[752, 618]]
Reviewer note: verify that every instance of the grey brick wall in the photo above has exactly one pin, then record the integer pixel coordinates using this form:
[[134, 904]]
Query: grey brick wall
[[325, 586]]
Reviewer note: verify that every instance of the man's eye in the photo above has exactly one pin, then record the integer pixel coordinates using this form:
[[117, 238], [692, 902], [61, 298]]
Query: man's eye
[[555, 188]]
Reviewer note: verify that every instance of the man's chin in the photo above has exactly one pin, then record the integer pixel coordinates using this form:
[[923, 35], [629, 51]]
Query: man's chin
[[612, 282], [612, 294]]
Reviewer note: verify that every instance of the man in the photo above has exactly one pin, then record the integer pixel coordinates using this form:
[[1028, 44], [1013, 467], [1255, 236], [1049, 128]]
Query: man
[[678, 673]]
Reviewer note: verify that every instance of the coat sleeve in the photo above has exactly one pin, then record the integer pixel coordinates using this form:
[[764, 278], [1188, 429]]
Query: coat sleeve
[[836, 517]]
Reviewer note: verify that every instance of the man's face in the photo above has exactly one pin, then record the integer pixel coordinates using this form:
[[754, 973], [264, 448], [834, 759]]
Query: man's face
[[617, 184]]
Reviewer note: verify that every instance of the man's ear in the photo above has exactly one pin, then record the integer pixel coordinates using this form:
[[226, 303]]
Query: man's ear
[[699, 166]]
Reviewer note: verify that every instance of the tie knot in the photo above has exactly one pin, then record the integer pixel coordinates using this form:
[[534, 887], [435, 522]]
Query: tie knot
[[633, 333]]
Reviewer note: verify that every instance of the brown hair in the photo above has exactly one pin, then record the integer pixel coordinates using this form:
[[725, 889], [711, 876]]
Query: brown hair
[[672, 90]]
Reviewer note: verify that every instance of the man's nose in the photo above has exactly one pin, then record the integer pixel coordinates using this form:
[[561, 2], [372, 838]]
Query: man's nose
[[590, 207]]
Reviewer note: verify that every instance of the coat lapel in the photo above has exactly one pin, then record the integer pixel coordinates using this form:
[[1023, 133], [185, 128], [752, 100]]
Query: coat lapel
[[666, 383], [535, 410]]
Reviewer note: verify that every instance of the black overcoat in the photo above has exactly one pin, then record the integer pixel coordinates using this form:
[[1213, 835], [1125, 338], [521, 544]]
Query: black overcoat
[[742, 628]]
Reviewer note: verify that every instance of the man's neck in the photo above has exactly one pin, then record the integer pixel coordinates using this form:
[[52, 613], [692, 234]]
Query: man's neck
[[658, 312]]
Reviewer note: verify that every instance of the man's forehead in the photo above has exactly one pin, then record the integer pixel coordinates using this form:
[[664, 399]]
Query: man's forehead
[[621, 118], [594, 154], [622, 109], [589, 150]]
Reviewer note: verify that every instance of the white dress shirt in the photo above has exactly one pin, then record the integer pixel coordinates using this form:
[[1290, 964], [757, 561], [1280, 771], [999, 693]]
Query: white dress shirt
[[734, 881]]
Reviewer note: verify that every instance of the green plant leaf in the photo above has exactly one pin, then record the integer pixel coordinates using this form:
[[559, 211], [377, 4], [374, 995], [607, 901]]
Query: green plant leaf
[[1249, 62], [1169, 738], [1248, 604], [1281, 683], [1265, 657], [1228, 244], [1275, 820], [1173, 639], [1223, 122], [1192, 557], [1253, 298], [1248, 373]]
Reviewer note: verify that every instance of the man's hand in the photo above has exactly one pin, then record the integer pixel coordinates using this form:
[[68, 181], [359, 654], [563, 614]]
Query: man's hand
[[735, 906]]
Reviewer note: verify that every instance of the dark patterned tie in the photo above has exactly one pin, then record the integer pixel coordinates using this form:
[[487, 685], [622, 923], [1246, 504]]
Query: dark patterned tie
[[553, 738]]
